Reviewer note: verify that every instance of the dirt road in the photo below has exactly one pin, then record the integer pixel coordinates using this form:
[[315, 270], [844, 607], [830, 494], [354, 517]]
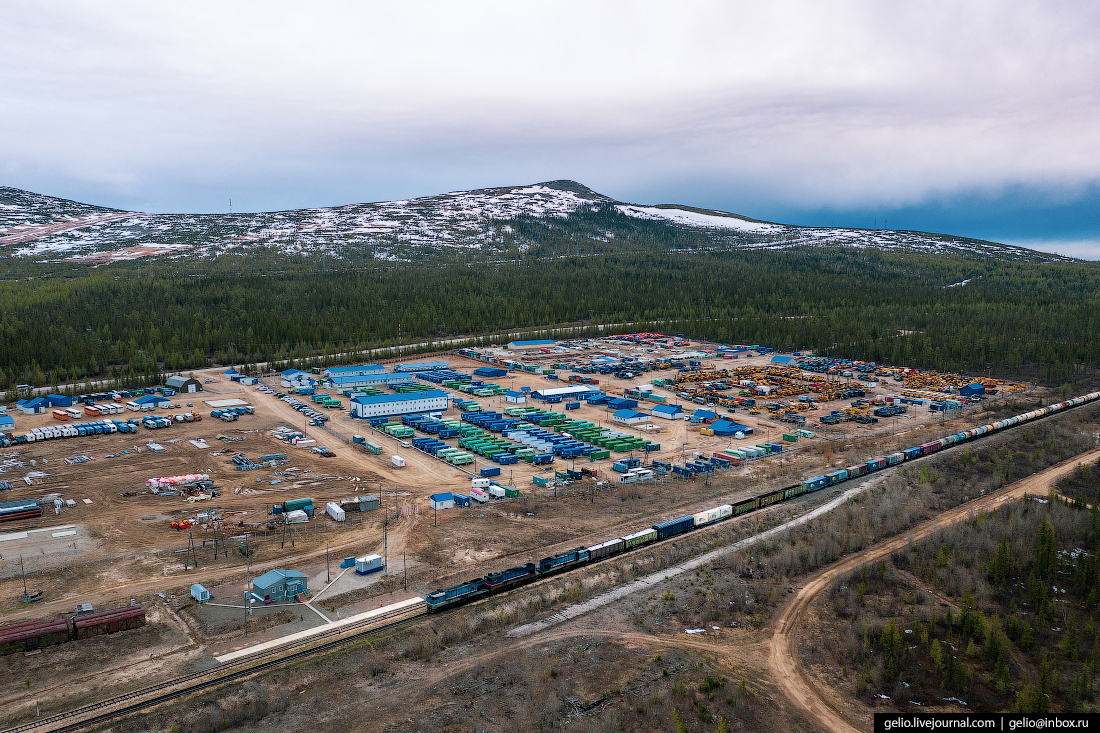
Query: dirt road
[[783, 658]]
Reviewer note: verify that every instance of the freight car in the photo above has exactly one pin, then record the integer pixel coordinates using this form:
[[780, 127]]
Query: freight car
[[521, 574], [30, 635]]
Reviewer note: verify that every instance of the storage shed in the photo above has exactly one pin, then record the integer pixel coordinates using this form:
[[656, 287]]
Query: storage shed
[[278, 585], [183, 384], [972, 390], [152, 399], [630, 417], [516, 398], [725, 428], [442, 501], [58, 400], [200, 593], [6, 423]]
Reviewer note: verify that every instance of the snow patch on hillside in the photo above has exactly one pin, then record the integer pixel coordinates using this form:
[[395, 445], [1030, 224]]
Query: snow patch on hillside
[[696, 219]]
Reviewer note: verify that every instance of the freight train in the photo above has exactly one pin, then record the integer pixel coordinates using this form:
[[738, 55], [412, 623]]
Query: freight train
[[521, 574], [30, 635]]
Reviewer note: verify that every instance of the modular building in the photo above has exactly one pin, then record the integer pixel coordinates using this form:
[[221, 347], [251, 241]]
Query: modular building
[[183, 384], [561, 392], [444, 500], [368, 564], [629, 417], [353, 371], [421, 366], [278, 585], [490, 372], [516, 398], [375, 379], [972, 390], [432, 400]]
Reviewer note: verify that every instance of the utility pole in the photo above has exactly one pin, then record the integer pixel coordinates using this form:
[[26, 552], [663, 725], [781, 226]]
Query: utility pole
[[248, 592], [405, 567], [328, 569], [385, 545]]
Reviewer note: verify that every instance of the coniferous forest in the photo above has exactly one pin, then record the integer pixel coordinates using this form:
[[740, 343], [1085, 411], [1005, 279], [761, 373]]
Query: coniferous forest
[[61, 323]]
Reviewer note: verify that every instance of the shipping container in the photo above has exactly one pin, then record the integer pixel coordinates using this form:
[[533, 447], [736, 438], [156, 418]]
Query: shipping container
[[335, 511], [368, 564]]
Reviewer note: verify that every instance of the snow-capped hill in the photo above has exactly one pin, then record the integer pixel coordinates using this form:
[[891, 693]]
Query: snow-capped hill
[[510, 219]]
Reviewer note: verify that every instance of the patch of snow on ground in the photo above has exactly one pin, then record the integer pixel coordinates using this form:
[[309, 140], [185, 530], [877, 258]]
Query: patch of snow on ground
[[695, 219]]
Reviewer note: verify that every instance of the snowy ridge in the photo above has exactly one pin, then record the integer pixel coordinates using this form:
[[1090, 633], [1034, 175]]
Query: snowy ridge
[[494, 219]]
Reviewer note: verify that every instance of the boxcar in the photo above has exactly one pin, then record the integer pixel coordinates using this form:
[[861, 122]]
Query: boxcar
[[674, 526], [641, 537]]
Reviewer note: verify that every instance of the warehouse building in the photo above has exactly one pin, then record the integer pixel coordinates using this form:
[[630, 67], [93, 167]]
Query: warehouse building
[[421, 366], [353, 371], [972, 390], [376, 379], [58, 400], [630, 417], [183, 384], [490, 372], [32, 407], [392, 405], [669, 412], [533, 344], [152, 399], [542, 394], [278, 585]]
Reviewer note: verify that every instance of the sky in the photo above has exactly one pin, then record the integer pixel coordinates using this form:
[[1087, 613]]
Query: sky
[[973, 118]]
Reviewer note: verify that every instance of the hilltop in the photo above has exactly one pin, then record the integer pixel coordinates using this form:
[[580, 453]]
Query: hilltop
[[509, 219]]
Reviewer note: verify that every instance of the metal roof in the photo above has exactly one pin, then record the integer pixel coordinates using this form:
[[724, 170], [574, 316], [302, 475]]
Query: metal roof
[[271, 577], [534, 342], [406, 397], [667, 409], [444, 496], [628, 414], [377, 377], [336, 371]]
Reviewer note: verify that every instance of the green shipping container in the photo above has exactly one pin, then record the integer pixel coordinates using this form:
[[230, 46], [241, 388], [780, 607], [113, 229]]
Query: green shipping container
[[790, 438]]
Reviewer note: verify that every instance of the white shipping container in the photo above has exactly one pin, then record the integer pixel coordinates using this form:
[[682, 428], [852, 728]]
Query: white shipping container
[[497, 491], [368, 564], [397, 461], [713, 515], [335, 511], [480, 483], [478, 495]]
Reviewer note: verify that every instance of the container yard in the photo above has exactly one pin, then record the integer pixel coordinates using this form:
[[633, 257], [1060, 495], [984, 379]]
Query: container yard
[[487, 455]]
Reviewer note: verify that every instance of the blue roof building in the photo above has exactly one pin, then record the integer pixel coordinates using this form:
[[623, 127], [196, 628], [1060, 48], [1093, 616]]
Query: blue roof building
[[532, 344], [35, 406], [668, 412], [278, 585], [972, 390], [354, 371], [629, 417], [151, 399], [391, 405], [375, 379]]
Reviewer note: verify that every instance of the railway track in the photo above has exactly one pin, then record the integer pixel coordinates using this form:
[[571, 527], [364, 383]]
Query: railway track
[[152, 695]]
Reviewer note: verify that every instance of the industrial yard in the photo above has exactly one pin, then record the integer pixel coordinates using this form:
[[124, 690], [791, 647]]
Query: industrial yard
[[568, 443]]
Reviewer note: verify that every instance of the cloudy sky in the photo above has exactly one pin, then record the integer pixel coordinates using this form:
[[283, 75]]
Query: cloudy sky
[[981, 119]]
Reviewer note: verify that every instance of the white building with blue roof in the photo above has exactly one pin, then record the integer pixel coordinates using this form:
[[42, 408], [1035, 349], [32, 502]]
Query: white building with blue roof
[[392, 405], [353, 371]]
